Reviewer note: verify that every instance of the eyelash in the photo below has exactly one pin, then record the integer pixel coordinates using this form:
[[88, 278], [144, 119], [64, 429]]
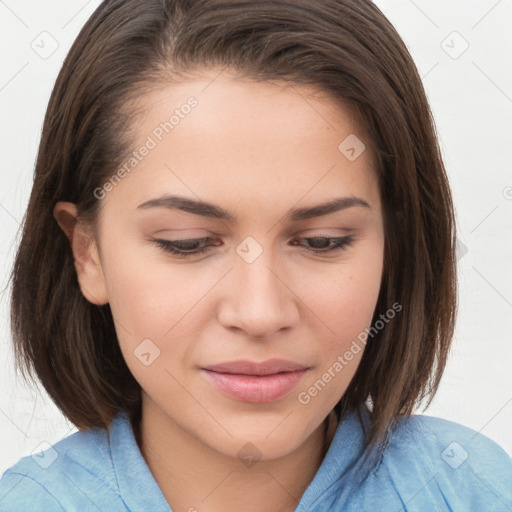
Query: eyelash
[[340, 244]]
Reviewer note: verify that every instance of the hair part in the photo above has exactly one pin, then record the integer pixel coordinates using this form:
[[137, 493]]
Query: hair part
[[346, 48]]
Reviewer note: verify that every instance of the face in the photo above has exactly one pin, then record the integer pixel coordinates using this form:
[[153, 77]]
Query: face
[[262, 274]]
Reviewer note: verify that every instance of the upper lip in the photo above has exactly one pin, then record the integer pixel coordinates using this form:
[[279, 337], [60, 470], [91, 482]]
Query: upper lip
[[245, 367]]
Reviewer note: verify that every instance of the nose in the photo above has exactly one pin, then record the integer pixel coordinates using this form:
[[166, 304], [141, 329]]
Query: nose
[[258, 299]]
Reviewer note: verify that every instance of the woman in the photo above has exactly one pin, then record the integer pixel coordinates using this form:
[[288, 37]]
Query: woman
[[237, 273]]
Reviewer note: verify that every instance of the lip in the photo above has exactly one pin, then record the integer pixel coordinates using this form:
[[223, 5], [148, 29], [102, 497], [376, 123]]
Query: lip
[[245, 367], [253, 388], [251, 382]]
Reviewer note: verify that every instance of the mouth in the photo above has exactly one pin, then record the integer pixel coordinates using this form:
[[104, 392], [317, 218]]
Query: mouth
[[252, 382]]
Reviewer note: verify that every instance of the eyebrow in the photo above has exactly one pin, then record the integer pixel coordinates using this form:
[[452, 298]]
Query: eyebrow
[[206, 209]]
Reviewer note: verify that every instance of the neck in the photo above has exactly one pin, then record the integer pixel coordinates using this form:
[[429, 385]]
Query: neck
[[192, 475]]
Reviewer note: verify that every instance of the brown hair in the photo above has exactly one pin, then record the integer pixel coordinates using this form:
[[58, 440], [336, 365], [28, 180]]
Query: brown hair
[[345, 47]]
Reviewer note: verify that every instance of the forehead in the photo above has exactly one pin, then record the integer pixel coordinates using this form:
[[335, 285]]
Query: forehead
[[234, 141]]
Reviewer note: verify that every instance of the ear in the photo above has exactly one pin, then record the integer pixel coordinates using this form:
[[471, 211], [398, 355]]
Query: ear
[[85, 253]]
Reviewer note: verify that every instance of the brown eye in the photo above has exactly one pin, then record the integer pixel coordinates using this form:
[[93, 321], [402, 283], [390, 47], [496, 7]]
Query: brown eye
[[328, 244]]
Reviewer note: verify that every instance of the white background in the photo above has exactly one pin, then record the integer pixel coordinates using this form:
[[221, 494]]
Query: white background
[[471, 98]]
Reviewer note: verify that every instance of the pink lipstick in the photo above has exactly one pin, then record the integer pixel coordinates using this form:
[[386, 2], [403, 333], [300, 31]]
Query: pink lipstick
[[255, 382]]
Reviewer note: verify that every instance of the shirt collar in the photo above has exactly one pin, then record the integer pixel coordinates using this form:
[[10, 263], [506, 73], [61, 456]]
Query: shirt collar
[[138, 487], [140, 490], [343, 467]]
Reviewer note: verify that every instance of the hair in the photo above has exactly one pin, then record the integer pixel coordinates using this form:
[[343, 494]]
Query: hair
[[348, 49]]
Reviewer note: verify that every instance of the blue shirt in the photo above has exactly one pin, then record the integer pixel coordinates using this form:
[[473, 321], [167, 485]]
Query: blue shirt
[[428, 465]]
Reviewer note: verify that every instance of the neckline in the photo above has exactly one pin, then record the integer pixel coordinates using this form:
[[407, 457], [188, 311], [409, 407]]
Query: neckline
[[138, 488], [344, 444], [343, 464]]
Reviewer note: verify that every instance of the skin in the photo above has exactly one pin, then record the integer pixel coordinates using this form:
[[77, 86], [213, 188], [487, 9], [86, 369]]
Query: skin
[[257, 150]]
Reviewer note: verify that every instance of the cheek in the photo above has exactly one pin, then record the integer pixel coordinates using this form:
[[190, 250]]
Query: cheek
[[344, 298], [345, 305], [144, 289], [151, 310], [159, 311], [149, 300]]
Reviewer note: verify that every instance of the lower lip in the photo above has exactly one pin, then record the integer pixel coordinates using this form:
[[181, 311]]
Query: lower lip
[[252, 388]]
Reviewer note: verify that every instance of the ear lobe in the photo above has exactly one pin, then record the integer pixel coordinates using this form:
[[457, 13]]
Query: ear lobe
[[85, 253]]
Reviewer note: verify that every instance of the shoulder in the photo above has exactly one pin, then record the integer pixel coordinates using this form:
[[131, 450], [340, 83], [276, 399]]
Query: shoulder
[[20, 492], [62, 476], [452, 443], [448, 461]]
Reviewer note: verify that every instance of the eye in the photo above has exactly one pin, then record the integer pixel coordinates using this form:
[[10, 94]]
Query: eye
[[184, 248], [324, 244], [195, 246]]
